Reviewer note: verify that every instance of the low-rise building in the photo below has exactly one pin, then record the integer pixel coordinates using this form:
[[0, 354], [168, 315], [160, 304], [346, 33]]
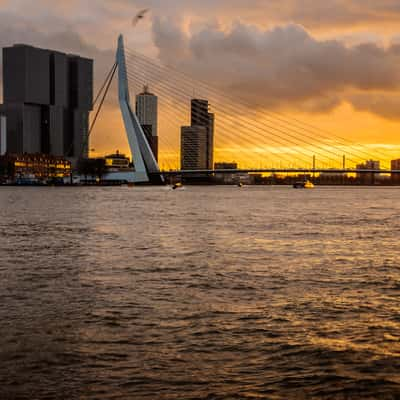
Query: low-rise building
[[37, 168], [225, 178], [369, 178], [117, 162], [395, 166]]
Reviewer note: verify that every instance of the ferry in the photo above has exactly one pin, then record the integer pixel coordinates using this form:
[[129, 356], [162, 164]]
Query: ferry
[[304, 185]]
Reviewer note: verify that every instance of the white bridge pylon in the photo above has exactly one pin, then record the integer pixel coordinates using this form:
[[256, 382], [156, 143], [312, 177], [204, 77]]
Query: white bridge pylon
[[143, 157]]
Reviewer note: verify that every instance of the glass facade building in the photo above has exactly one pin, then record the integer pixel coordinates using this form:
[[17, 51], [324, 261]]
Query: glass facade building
[[200, 116], [193, 147]]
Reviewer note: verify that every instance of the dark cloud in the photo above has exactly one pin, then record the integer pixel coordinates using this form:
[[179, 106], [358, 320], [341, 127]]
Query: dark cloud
[[285, 66], [381, 104], [170, 40], [13, 31], [311, 13], [277, 67]]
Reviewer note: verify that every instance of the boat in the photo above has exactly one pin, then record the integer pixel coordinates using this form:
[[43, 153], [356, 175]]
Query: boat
[[303, 185], [309, 185], [177, 186]]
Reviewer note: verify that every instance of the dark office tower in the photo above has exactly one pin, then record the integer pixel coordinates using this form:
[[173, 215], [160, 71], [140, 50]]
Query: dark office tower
[[200, 116], [80, 73], [147, 113], [47, 99], [194, 147]]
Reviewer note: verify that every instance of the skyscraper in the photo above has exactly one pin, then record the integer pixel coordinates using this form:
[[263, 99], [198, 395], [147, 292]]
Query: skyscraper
[[193, 147], [200, 116], [47, 99], [147, 112]]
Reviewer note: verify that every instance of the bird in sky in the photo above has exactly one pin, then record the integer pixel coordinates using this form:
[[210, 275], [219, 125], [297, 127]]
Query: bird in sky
[[140, 15]]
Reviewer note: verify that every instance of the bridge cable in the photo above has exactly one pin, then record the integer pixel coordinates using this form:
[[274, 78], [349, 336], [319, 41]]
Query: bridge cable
[[310, 128], [219, 93], [235, 122], [284, 132], [104, 84], [174, 109], [107, 88]]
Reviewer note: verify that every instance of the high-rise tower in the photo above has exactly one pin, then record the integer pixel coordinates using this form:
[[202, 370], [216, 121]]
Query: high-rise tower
[[47, 99], [200, 116], [147, 113]]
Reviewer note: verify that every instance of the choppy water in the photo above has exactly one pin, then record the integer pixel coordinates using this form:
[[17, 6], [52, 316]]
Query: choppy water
[[206, 293]]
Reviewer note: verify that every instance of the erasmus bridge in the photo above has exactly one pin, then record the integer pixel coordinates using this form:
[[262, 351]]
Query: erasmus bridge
[[258, 140]]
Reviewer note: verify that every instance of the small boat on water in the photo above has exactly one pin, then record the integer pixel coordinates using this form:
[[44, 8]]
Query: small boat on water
[[304, 185]]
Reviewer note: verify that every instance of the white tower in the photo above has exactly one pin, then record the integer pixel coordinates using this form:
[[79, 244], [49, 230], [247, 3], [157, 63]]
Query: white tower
[[147, 113], [147, 109]]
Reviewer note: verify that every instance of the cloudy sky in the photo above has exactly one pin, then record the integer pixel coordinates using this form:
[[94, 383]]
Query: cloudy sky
[[333, 63]]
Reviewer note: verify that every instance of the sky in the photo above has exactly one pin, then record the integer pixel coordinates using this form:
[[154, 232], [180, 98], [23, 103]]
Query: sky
[[333, 63]]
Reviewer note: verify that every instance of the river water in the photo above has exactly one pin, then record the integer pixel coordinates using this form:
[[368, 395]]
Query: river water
[[202, 293]]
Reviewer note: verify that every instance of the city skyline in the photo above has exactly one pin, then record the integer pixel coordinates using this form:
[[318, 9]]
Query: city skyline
[[50, 78], [343, 103], [199, 199]]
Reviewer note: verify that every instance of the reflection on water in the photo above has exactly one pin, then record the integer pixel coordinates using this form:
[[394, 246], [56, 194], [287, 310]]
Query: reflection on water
[[207, 293]]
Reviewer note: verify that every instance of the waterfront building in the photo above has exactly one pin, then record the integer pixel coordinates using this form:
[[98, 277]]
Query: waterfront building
[[330, 177], [117, 162], [332, 174], [3, 135], [113, 169], [147, 113], [47, 99], [370, 164], [200, 116], [194, 147], [225, 165], [395, 166], [235, 177], [36, 167], [369, 178], [244, 178], [226, 179]]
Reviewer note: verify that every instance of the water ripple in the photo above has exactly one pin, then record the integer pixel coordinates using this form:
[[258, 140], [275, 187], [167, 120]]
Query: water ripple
[[208, 293]]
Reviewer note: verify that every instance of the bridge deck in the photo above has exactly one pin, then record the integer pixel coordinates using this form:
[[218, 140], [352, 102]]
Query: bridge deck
[[281, 171]]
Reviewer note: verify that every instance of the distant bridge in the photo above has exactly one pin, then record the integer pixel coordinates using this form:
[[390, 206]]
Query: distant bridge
[[298, 171]]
